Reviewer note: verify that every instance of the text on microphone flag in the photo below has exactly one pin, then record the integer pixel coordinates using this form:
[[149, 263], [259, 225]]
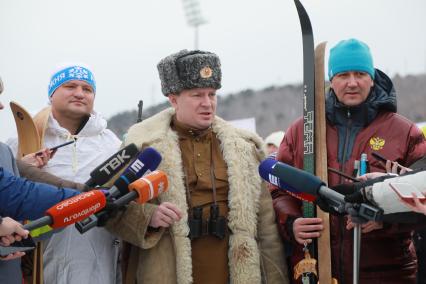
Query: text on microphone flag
[[115, 162]]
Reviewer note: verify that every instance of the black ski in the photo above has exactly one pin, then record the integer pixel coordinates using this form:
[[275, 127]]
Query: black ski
[[308, 117]]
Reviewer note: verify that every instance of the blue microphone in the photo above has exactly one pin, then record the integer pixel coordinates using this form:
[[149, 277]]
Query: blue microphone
[[296, 182], [146, 162]]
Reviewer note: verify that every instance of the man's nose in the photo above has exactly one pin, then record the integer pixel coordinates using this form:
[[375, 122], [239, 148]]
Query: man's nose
[[352, 81], [206, 101], [78, 92]]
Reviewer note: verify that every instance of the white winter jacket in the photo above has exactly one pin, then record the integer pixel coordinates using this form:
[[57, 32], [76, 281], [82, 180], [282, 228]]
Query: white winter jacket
[[70, 257]]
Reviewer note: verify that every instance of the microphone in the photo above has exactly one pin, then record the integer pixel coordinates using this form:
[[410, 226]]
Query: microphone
[[71, 210], [268, 171], [143, 189], [111, 166], [310, 185], [147, 161]]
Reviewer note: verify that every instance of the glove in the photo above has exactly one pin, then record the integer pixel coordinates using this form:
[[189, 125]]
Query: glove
[[346, 188], [323, 204], [352, 192], [357, 192], [356, 197]]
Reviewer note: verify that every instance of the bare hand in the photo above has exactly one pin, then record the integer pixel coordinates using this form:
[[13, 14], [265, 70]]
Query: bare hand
[[165, 215], [15, 255], [11, 231], [371, 176], [392, 167], [305, 229], [366, 227], [40, 158]]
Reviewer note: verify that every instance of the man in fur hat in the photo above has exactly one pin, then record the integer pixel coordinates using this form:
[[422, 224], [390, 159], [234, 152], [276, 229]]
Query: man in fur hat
[[215, 224]]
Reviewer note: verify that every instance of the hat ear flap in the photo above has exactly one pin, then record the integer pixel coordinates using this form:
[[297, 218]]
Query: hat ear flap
[[169, 77]]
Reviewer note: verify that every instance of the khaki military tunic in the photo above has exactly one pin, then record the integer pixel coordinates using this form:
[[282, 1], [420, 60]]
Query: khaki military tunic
[[201, 153]]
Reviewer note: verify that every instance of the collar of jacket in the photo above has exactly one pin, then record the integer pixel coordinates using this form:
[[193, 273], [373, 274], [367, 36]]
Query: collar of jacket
[[242, 151], [94, 126], [382, 97]]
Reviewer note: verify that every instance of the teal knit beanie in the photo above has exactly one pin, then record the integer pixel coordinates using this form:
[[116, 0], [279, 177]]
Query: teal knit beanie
[[350, 55]]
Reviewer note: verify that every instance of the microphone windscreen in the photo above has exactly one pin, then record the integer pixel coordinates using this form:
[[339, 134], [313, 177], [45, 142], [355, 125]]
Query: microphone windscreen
[[297, 178], [147, 161], [269, 173], [110, 167], [76, 208], [150, 186]]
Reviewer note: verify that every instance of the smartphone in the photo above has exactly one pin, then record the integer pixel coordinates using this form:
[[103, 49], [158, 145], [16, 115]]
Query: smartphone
[[405, 190], [24, 245], [57, 147]]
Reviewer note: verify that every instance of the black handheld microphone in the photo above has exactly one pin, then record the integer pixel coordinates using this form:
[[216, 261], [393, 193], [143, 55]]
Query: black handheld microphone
[[111, 166]]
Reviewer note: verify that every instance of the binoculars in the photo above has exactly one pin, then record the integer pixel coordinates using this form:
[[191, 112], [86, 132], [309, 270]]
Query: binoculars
[[214, 226]]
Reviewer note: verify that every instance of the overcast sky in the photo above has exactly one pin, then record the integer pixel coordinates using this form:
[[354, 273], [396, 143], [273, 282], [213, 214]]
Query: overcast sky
[[259, 43]]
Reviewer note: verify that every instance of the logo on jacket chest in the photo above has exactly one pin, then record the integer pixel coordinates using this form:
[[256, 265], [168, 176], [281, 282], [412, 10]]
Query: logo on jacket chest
[[377, 143]]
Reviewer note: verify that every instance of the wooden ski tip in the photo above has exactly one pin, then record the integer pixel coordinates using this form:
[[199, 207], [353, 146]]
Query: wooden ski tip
[[28, 137]]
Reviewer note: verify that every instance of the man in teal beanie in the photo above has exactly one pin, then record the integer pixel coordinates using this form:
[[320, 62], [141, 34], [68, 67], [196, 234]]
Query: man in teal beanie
[[350, 55], [361, 118]]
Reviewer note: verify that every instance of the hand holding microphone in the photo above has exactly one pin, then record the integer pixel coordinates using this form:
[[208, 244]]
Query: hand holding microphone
[[11, 231]]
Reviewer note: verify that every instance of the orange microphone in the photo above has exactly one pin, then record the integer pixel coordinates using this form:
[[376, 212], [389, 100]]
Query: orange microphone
[[141, 190], [145, 188], [71, 210]]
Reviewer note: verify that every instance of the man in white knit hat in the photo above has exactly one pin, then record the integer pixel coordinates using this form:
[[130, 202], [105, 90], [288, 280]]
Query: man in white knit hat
[[69, 256]]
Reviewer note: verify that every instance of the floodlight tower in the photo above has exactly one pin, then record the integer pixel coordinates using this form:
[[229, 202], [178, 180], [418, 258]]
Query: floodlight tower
[[193, 17]]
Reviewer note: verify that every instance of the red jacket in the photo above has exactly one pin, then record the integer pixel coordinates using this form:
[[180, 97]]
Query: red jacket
[[385, 255]]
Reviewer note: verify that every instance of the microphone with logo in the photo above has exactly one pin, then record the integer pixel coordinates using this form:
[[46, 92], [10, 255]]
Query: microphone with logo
[[141, 190], [71, 210], [310, 187], [267, 172], [147, 160], [111, 166]]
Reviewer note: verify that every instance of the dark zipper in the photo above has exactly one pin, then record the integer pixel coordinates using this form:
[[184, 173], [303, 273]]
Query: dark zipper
[[341, 219]]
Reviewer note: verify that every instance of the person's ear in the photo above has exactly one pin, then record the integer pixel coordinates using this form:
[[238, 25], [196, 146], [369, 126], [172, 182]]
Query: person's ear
[[173, 100], [331, 84]]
